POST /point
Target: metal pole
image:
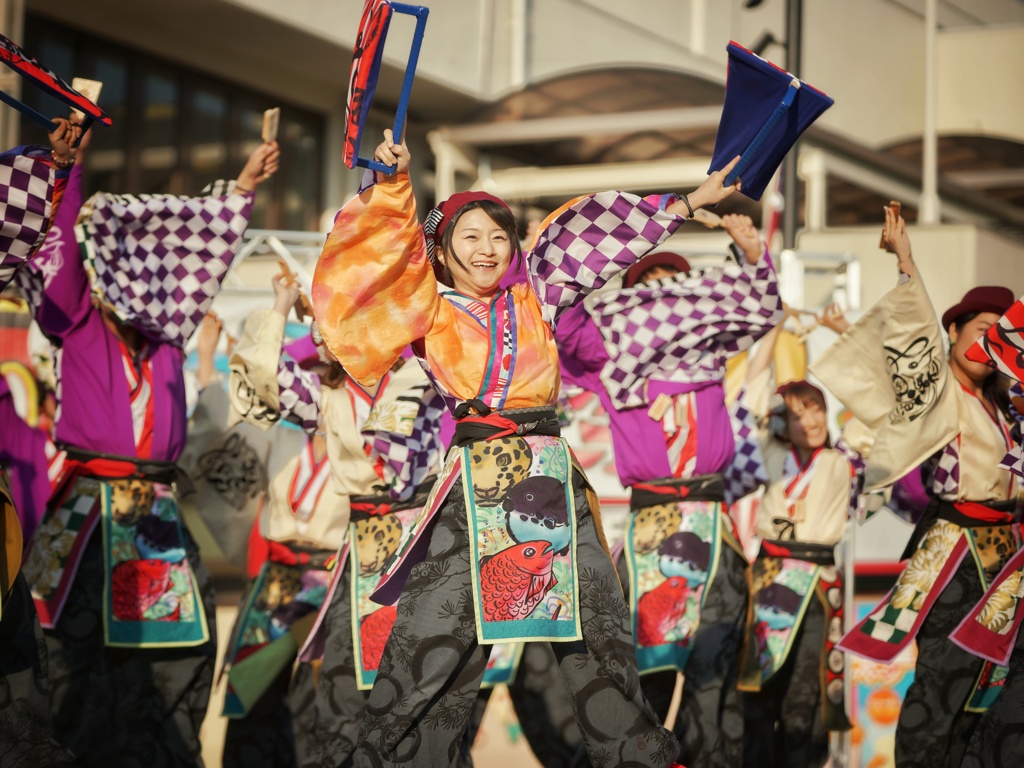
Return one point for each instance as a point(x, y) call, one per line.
point(929, 210)
point(794, 25)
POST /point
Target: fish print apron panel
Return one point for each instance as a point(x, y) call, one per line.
point(783, 587)
point(150, 598)
point(672, 559)
point(278, 614)
point(374, 543)
point(522, 520)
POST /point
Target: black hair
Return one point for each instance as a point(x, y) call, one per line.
point(644, 276)
point(500, 215)
point(996, 387)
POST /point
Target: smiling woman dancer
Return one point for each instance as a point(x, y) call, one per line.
point(507, 548)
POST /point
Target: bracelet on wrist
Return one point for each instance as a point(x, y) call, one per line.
point(242, 190)
point(61, 164)
point(686, 202)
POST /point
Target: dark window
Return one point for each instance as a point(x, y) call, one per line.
point(176, 130)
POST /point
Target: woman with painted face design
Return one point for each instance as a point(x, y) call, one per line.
point(468, 579)
point(949, 415)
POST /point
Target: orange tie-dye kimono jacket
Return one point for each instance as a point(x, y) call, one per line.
point(374, 293)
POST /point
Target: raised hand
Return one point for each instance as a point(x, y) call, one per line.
point(897, 241)
point(713, 190)
point(64, 135)
point(260, 166)
point(833, 318)
point(206, 348)
point(209, 334)
point(286, 292)
point(743, 232)
point(389, 153)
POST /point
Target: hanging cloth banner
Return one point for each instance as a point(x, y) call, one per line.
point(45, 80)
point(362, 81)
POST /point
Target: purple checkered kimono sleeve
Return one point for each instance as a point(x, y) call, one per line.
point(55, 283)
point(747, 471)
point(683, 329)
point(299, 395)
point(265, 387)
point(1014, 460)
point(413, 453)
point(591, 239)
point(857, 465)
point(159, 260)
point(30, 195)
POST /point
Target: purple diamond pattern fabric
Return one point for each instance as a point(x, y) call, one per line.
point(747, 472)
point(589, 240)
point(857, 463)
point(409, 459)
point(159, 260)
point(1014, 460)
point(945, 471)
point(683, 330)
point(26, 194)
point(299, 393)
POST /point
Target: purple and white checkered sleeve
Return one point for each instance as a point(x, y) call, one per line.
point(160, 260)
point(299, 395)
point(28, 189)
point(747, 471)
point(413, 453)
point(857, 465)
point(591, 239)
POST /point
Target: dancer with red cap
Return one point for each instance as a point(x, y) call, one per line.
point(652, 348)
point(469, 577)
point(950, 415)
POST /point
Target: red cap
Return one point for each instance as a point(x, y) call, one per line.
point(452, 205)
point(983, 298)
point(665, 259)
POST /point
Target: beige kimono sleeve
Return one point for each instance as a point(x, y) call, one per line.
point(890, 370)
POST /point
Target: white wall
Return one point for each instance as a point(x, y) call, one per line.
point(952, 259)
point(981, 86)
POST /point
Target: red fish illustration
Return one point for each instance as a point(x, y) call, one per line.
point(660, 610)
point(373, 635)
point(138, 585)
point(514, 581)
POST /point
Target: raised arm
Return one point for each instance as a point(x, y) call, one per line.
point(373, 279)
point(33, 180)
point(264, 387)
point(160, 259)
point(588, 240)
point(206, 349)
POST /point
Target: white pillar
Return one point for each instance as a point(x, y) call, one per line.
point(698, 26)
point(791, 279)
point(813, 171)
point(929, 212)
